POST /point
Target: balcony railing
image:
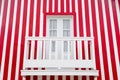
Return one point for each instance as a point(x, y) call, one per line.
point(59, 56)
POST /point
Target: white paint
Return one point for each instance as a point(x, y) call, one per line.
point(12, 41)
point(47, 6)
point(99, 41)
point(70, 5)
point(53, 6)
point(19, 41)
point(59, 5)
point(1, 14)
point(5, 40)
point(107, 41)
point(114, 39)
point(64, 5)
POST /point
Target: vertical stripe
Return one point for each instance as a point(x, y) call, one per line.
point(114, 39)
point(107, 41)
point(70, 5)
point(12, 41)
point(53, 6)
point(50, 6)
point(118, 12)
point(62, 6)
point(47, 4)
point(59, 6)
point(56, 6)
point(1, 15)
point(65, 6)
point(99, 41)
point(5, 41)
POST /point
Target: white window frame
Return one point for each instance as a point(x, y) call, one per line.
point(59, 23)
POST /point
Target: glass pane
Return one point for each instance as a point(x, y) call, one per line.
point(53, 33)
point(66, 33)
point(65, 46)
point(53, 46)
point(66, 24)
point(53, 24)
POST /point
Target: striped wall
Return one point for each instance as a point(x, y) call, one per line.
point(98, 18)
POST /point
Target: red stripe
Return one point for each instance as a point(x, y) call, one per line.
point(56, 6)
point(73, 6)
point(50, 6)
point(103, 41)
point(3, 28)
point(95, 38)
point(87, 18)
point(31, 17)
point(67, 6)
point(8, 41)
point(110, 41)
point(38, 18)
point(23, 37)
point(62, 6)
point(116, 28)
point(15, 40)
point(80, 18)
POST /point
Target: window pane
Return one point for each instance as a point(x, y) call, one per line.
point(53, 33)
point(66, 24)
point(66, 33)
point(65, 46)
point(53, 46)
point(53, 24)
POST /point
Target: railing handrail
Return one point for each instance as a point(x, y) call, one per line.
point(59, 38)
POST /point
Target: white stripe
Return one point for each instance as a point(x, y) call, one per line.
point(79, 43)
point(99, 41)
point(91, 31)
point(107, 41)
point(118, 13)
point(1, 14)
point(47, 6)
point(19, 41)
point(27, 29)
point(48, 77)
point(64, 5)
point(53, 5)
point(12, 41)
point(5, 40)
point(59, 7)
point(83, 17)
point(114, 40)
point(63, 77)
point(40, 34)
point(70, 5)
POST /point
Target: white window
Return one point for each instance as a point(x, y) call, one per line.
point(59, 26)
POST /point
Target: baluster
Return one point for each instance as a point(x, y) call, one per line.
point(50, 49)
point(56, 50)
point(86, 49)
point(80, 49)
point(39, 49)
point(68, 50)
point(44, 48)
point(74, 49)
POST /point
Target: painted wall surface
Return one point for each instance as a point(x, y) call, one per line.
point(98, 18)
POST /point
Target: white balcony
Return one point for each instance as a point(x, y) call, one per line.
point(59, 56)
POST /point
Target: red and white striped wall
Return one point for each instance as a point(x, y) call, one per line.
point(98, 18)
